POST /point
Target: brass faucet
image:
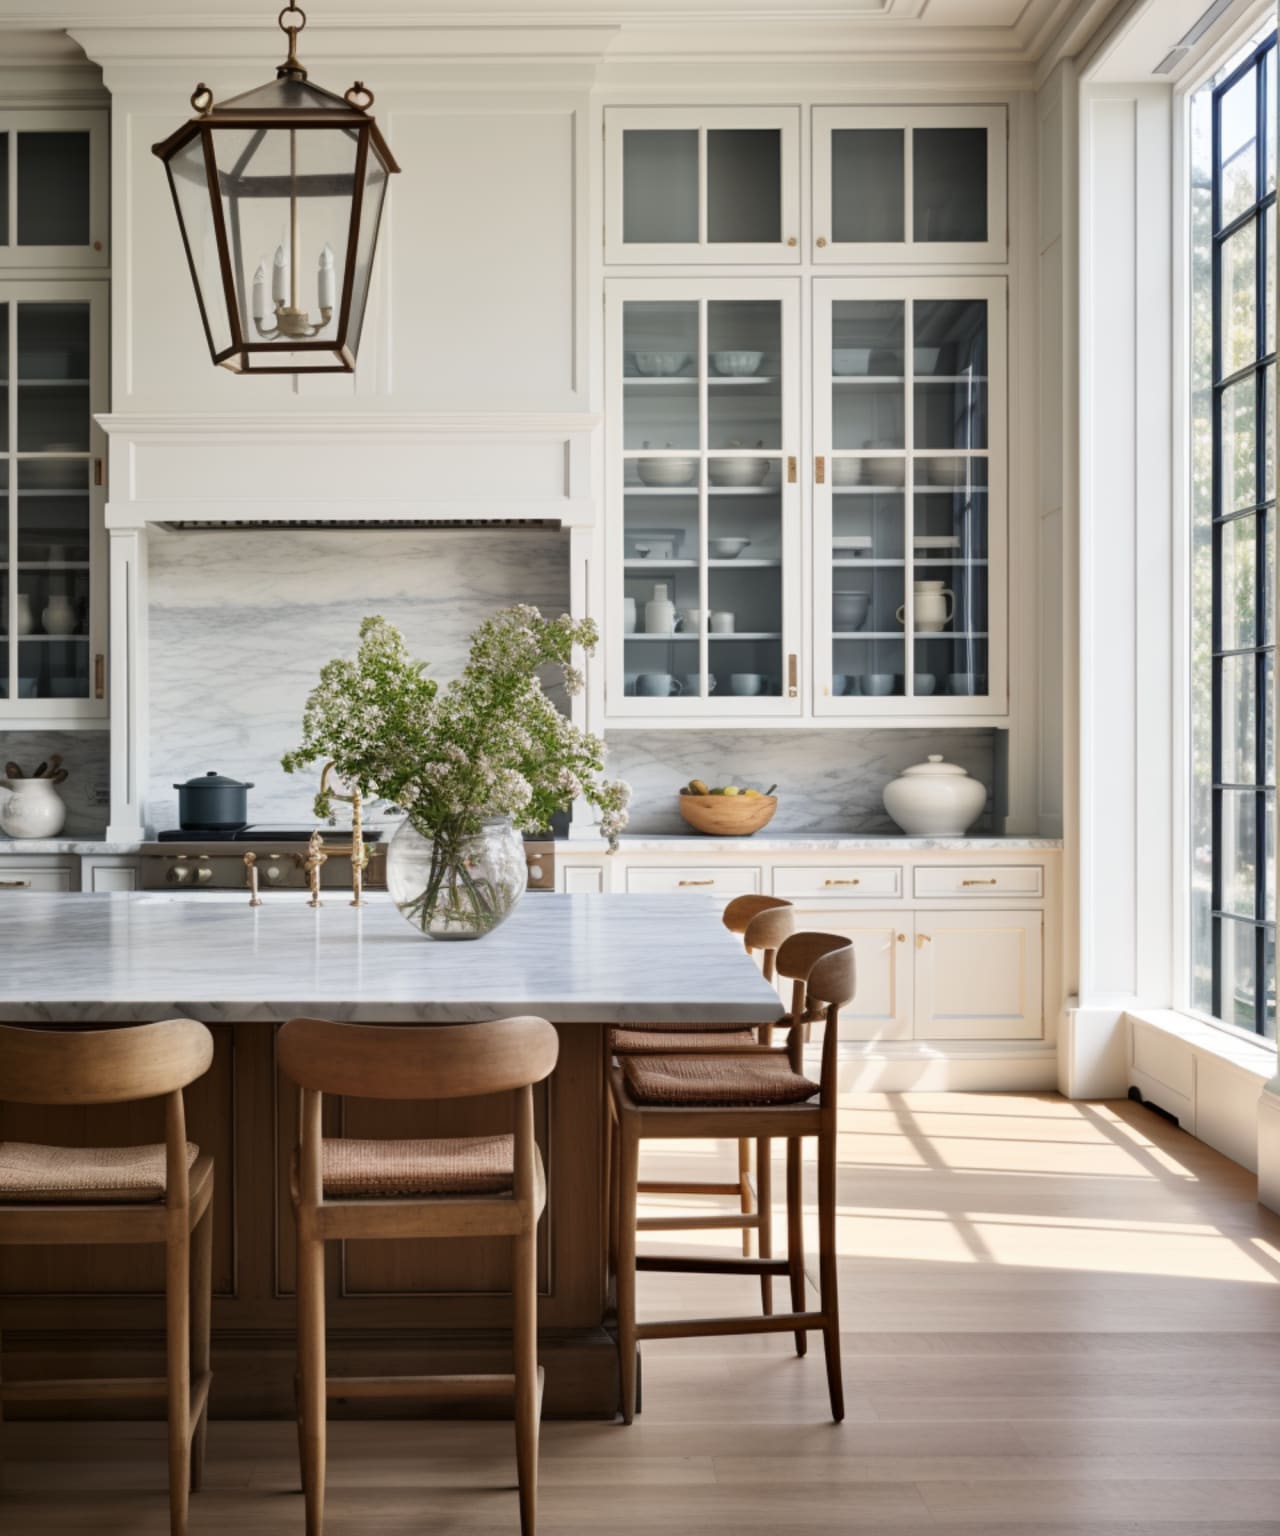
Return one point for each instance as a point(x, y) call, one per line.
point(318, 850)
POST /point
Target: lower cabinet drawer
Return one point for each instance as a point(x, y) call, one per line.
point(869, 882)
point(979, 880)
point(728, 880)
point(49, 878)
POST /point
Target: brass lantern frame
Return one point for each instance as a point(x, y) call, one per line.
point(349, 114)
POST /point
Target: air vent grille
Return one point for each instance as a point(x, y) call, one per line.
point(1194, 33)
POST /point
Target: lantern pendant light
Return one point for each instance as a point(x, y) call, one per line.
point(283, 181)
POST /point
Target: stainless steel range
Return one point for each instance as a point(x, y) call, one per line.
point(204, 861)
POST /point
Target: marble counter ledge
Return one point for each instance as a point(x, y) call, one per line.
point(132, 957)
point(87, 847)
point(809, 842)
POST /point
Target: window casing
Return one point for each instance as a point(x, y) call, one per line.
point(1233, 352)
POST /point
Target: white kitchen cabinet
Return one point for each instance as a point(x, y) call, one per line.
point(703, 502)
point(53, 588)
point(708, 184)
point(17, 876)
point(909, 498)
point(910, 184)
point(54, 209)
point(699, 880)
point(882, 1006)
point(103, 873)
point(978, 975)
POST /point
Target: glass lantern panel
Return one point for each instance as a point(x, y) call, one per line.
point(53, 189)
point(190, 182)
point(660, 379)
point(375, 191)
point(744, 185)
point(868, 198)
point(286, 198)
point(744, 380)
point(660, 186)
point(949, 184)
point(53, 378)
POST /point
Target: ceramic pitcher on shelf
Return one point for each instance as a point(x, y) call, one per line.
point(31, 808)
point(934, 603)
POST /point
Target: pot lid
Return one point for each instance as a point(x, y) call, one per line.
point(935, 766)
point(212, 780)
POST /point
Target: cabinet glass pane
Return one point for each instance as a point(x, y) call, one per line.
point(744, 185)
point(6, 385)
point(660, 186)
point(868, 389)
point(53, 549)
point(744, 385)
point(949, 358)
point(744, 581)
point(53, 378)
point(660, 382)
point(4, 189)
point(53, 189)
point(867, 185)
point(1238, 159)
point(949, 184)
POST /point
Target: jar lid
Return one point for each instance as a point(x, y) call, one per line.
point(935, 766)
point(212, 780)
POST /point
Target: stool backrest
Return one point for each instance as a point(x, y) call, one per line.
point(113, 1066)
point(448, 1061)
point(739, 912)
point(767, 932)
point(823, 971)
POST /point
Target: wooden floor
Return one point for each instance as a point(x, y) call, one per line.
point(1058, 1318)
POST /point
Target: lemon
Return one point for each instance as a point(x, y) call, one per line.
point(732, 789)
point(750, 794)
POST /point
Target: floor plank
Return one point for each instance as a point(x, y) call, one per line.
point(1058, 1320)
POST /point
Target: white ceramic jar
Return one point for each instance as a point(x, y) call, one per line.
point(32, 808)
point(935, 799)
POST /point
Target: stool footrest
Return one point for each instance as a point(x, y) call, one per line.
point(687, 1187)
point(421, 1386)
point(708, 1223)
point(70, 1389)
point(713, 1327)
point(689, 1266)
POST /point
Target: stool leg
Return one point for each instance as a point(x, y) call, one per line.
point(201, 1308)
point(627, 1151)
point(744, 1184)
point(764, 1205)
point(795, 1233)
point(311, 1366)
point(525, 1341)
point(827, 1267)
point(178, 1352)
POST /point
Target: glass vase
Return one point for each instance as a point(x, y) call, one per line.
point(457, 886)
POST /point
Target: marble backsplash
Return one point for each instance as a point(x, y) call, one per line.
point(828, 781)
point(240, 623)
point(86, 757)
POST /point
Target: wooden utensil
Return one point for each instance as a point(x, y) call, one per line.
point(59, 777)
point(12, 771)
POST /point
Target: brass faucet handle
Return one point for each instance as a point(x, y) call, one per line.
point(251, 878)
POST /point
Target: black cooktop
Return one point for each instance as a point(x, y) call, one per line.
point(262, 835)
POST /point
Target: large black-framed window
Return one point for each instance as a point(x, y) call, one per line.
point(1241, 928)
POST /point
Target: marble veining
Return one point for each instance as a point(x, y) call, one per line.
point(595, 959)
point(828, 781)
point(14, 847)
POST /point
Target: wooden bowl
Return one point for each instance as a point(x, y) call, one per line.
point(728, 815)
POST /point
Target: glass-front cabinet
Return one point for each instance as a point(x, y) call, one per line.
point(53, 190)
point(909, 496)
point(703, 535)
point(713, 185)
point(53, 379)
point(910, 184)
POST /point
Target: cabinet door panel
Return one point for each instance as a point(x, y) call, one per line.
point(882, 1007)
point(978, 976)
point(53, 179)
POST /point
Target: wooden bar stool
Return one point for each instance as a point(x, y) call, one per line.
point(765, 923)
point(149, 1194)
point(486, 1186)
point(760, 1091)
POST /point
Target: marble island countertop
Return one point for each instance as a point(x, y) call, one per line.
point(118, 958)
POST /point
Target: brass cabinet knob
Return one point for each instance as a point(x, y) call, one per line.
point(791, 240)
point(822, 240)
point(902, 938)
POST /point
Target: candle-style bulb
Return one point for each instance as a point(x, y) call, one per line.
point(326, 278)
point(260, 292)
point(280, 277)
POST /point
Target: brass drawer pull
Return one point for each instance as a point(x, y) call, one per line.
point(979, 882)
point(14, 885)
point(696, 882)
point(922, 939)
point(842, 882)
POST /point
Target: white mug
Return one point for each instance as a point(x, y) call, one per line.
point(721, 623)
point(692, 682)
point(745, 684)
point(694, 618)
point(658, 685)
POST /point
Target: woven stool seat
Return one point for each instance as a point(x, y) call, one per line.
point(458, 1165)
point(83, 1175)
point(678, 1039)
point(715, 1081)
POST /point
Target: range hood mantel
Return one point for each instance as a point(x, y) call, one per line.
point(351, 469)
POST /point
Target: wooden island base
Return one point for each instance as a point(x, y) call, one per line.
point(403, 1307)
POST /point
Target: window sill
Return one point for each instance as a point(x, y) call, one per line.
point(1255, 1057)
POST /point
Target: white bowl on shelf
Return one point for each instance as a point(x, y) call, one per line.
point(850, 360)
point(727, 549)
point(951, 473)
point(737, 472)
point(736, 364)
point(891, 473)
point(667, 472)
point(846, 471)
point(659, 365)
